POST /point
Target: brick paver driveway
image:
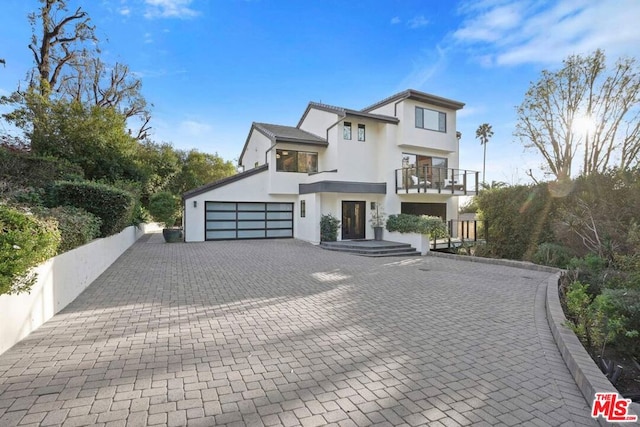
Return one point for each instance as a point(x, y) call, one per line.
point(284, 333)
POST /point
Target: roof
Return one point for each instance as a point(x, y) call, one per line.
point(279, 133)
point(418, 96)
point(224, 181)
point(343, 112)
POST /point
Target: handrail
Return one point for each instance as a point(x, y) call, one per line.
point(427, 178)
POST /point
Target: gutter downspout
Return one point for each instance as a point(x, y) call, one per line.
point(269, 149)
point(395, 105)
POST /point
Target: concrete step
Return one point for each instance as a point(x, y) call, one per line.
point(371, 248)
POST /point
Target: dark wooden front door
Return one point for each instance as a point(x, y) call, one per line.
point(353, 220)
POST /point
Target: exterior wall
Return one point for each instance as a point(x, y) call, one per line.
point(308, 228)
point(435, 140)
point(332, 203)
point(288, 182)
point(318, 121)
point(249, 189)
point(256, 149)
point(60, 280)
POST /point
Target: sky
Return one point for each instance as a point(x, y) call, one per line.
point(212, 67)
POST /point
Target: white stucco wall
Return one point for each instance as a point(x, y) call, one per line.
point(257, 145)
point(318, 121)
point(60, 280)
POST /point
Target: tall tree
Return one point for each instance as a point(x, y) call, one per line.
point(484, 133)
point(60, 40)
point(198, 169)
point(584, 109)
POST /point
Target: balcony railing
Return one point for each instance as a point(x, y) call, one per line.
point(437, 180)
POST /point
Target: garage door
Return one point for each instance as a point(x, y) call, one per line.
point(243, 220)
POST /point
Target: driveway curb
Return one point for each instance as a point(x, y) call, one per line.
point(584, 371)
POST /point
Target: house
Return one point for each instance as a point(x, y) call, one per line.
point(400, 154)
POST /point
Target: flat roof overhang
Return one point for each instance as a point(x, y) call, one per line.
point(343, 187)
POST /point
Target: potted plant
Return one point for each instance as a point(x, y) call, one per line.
point(165, 208)
point(377, 220)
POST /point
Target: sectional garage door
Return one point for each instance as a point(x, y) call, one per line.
point(244, 220)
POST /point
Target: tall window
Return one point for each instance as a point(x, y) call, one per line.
point(346, 130)
point(296, 161)
point(360, 132)
point(431, 119)
point(303, 208)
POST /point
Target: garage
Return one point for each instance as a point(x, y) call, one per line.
point(248, 220)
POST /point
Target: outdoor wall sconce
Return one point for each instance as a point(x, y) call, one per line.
point(195, 203)
point(373, 205)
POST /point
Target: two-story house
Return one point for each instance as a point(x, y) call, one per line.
point(400, 154)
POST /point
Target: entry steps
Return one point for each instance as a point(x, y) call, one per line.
point(371, 248)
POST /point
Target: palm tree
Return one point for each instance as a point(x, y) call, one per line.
point(484, 133)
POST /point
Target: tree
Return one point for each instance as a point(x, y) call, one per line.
point(587, 109)
point(484, 133)
point(199, 169)
point(58, 44)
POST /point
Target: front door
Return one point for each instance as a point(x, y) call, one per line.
point(353, 220)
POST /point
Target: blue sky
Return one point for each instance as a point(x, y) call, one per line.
point(211, 67)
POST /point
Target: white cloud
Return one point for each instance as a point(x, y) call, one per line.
point(395, 20)
point(148, 38)
point(528, 31)
point(125, 11)
point(417, 22)
point(169, 9)
point(430, 63)
point(195, 129)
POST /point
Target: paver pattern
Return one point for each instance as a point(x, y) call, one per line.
point(285, 333)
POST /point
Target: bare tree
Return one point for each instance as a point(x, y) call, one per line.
point(484, 133)
point(59, 42)
point(583, 108)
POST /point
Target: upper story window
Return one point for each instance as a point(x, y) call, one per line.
point(296, 161)
point(361, 132)
point(431, 119)
point(346, 130)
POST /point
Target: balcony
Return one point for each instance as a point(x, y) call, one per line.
point(437, 180)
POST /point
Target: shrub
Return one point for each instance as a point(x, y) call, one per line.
point(25, 242)
point(30, 170)
point(329, 228)
point(112, 205)
point(140, 215)
point(165, 208)
point(77, 226)
point(553, 255)
point(405, 223)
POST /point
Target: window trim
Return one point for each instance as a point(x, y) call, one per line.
point(345, 136)
point(419, 119)
point(364, 134)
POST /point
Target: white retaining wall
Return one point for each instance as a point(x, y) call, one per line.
point(60, 280)
point(417, 240)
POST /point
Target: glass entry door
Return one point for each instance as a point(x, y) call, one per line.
point(353, 220)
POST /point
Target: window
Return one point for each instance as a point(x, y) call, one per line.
point(303, 208)
point(431, 119)
point(296, 161)
point(360, 132)
point(346, 130)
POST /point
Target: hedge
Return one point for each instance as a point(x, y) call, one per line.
point(25, 242)
point(29, 170)
point(77, 226)
point(405, 223)
point(112, 205)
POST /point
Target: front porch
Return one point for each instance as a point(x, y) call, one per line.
point(437, 180)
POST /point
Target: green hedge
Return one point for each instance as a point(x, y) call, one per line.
point(25, 242)
point(112, 205)
point(77, 226)
point(329, 225)
point(29, 170)
point(405, 223)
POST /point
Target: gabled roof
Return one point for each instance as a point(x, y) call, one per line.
point(418, 96)
point(280, 133)
point(224, 181)
point(343, 112)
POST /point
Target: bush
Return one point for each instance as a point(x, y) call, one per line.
point(30, 170)
point(405, 223)
point(553, 255)
point(329, 228)
point(25, 242)
point(112, 205)
point(165, 208)
point(77, 226)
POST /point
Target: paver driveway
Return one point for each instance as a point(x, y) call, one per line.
point(282, 332)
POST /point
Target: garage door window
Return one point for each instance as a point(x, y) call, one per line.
point(248, 220)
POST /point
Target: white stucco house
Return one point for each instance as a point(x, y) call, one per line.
point(400, 154)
